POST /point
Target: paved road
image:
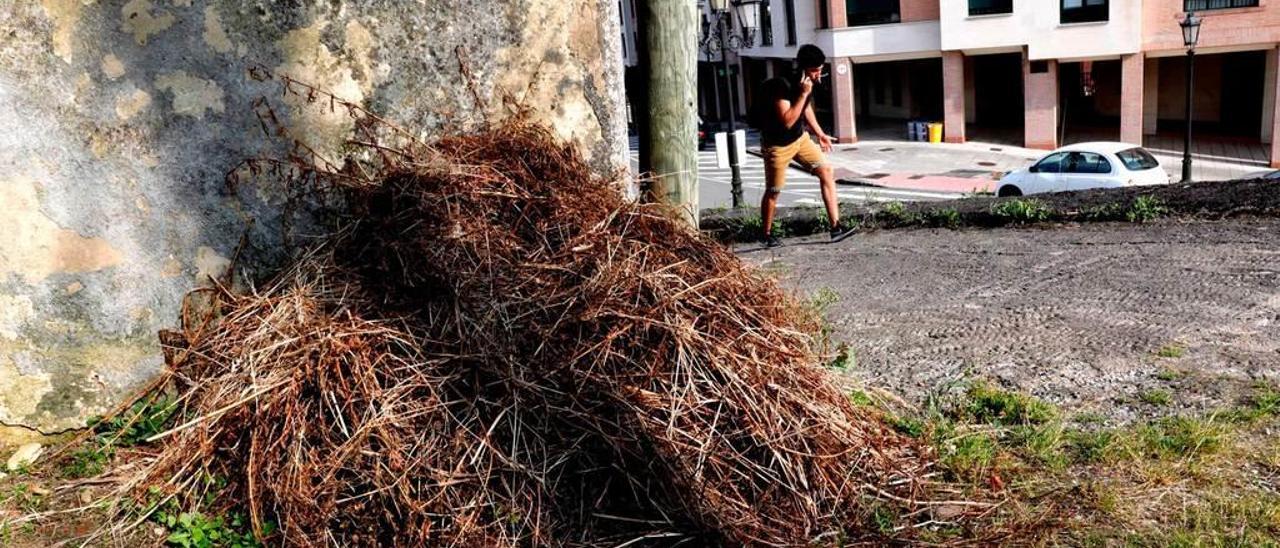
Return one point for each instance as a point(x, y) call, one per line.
point(715, 184)
point(1075, 314)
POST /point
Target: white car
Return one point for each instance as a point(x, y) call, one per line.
point(1086, 165)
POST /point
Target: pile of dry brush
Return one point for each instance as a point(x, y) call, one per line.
point(498, 349)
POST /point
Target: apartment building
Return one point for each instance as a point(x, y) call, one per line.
point(1039, 73)
point(714, 85)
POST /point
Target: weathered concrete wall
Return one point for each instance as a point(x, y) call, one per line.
point(118, 120)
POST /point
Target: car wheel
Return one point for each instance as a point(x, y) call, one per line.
point(1009, 190)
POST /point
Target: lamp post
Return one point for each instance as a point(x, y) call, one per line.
point(724, 41)
point(1190, 35)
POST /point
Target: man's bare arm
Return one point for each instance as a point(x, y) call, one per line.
point(823, 139)
point(789, 112)
point(812, 119)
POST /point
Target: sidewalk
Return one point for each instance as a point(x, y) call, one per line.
point(960, 168)
point(974, 166)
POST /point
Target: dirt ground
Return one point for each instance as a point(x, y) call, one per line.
point(1100, 318)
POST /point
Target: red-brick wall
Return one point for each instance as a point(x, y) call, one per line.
point(918, 10)
point(1229, 27)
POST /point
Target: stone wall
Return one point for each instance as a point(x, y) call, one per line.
point(119, 119)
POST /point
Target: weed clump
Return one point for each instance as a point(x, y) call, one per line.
point(893, 214)
point(1022, 211)
point(989, 404)
point(943, 218)
point(1145, 208)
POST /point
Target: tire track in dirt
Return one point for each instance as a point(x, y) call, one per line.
point(1073, 314)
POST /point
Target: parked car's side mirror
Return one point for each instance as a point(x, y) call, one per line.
point(1034, 169)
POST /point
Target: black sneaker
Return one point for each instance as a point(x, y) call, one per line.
point(838, 233)
point(772, 241)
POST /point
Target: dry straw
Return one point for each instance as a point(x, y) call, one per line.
point(497, 349)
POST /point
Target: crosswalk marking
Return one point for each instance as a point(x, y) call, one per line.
point(801, 188)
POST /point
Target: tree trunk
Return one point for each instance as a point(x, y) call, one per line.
point(665, 109)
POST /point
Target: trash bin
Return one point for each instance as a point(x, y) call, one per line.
point(935, 132)
point(916, 131)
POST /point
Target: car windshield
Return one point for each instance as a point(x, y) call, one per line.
point(1137, 159)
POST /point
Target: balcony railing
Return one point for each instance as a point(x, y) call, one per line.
point(1202, 5)
point(990, 7)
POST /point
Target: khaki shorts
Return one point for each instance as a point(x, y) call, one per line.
point(778, 158)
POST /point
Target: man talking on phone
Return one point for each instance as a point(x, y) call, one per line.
point(783, 111)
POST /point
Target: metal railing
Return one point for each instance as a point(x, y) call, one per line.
point(1201, 5)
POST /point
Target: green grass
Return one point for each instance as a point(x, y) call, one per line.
point(1110, 480)
point(1022, 211)
point(1252, 520)
point(776, 269)
point(87, 461)
point(1179, 437)
point(1265, 401)
point(1090, 417)
point(818, 304)
point(968, 457)
point(989, 404)
point(910, 426)
point(1089, 447)
point(861, 399)
point(822, 299)
point(1156, 396)
point(1173, 350)
point(23, 497)
point(197, 530)
point(883, 519)
point(145, 418)
point(752, 227)
point(1169, 374)
point(844, 359)
point(1044, 444)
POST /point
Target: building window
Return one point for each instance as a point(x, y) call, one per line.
point(824, 21)
point(990, 7)
point(873, 12)
point(766, 24)
point(622, 22)
point(1083, 11)
point(1201, 5)
point(790, 6)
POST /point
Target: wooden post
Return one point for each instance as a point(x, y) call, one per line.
point(666, 110)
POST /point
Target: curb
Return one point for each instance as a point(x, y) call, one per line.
point(1223, 199)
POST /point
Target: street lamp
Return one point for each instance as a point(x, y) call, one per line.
point(726, 40)
point(1190, 35)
